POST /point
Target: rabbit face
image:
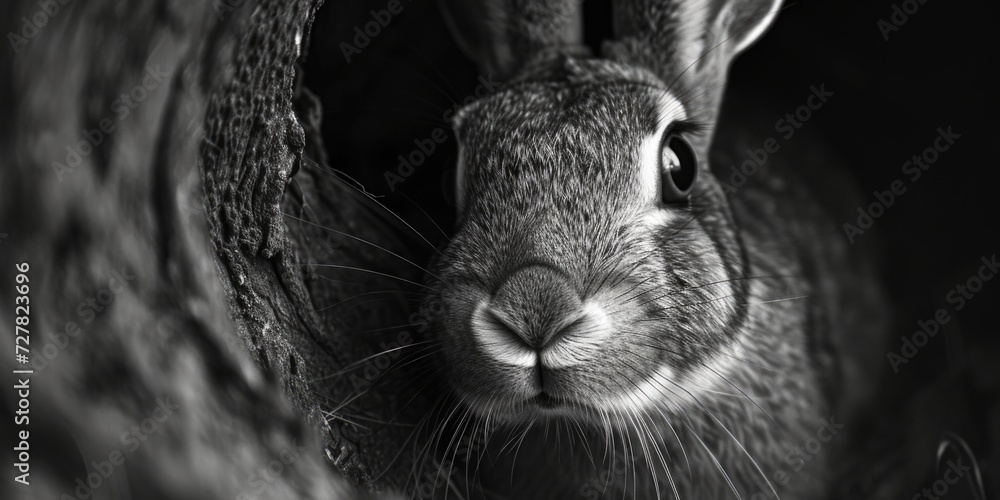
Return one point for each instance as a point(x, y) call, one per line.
point(577, 283)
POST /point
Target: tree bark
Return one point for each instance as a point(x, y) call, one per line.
point(148, 156)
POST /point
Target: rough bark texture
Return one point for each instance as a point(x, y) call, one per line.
point(212, 323)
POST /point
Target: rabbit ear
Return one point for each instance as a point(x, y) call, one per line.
point(750, 21)
point(688, 43)
point(503, 35)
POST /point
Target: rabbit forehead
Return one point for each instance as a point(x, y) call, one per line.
point(548, 140)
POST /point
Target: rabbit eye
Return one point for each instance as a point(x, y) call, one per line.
point(678, 169)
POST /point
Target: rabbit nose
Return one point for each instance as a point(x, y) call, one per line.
point(534, 304)
point(537, 317)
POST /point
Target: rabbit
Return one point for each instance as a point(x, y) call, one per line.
point(617, 319)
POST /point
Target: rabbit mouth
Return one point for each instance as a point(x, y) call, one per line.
point(541, 406)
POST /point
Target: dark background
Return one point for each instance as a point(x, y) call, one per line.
point(890, 98)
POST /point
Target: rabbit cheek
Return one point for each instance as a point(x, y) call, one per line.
point(696, 298)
